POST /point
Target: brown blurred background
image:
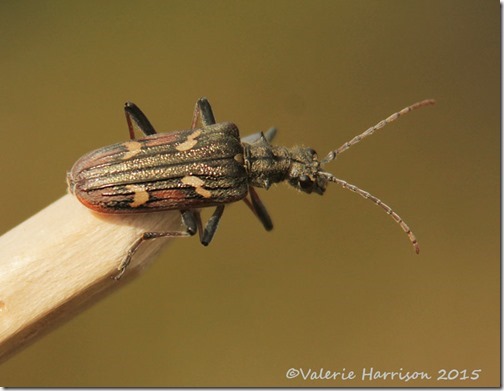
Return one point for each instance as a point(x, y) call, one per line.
point(336, 284)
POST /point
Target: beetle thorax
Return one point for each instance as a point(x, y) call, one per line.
point(267, 164)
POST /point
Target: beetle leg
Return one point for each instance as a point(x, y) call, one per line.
point(269, 135)
point(211, 226)
point(257, 207)
point(137, 119)
point(203, 114)
point(145, 236)
point(191, 221)
point(190, 218)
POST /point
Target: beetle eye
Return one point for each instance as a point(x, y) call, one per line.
point(305, 182)
point(312, 153)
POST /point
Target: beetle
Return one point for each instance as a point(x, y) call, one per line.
point(205, 166)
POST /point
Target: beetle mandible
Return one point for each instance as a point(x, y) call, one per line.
point(205, 166)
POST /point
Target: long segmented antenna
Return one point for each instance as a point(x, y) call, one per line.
point(332, 155)
point(378, 202)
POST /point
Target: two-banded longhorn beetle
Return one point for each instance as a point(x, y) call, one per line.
point(207, 165)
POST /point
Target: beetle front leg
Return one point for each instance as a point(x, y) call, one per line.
point(269, 135)
point(255, 204)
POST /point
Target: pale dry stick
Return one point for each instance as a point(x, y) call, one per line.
point(61, 260)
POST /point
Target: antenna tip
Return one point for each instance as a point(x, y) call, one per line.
point(427, 102)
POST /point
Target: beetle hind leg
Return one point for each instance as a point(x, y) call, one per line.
point(203, 114)
point(146, 236)
point(192, 220)
point(136, 119)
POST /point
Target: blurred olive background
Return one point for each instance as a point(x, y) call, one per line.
point(336, 285)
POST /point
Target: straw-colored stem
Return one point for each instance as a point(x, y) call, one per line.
point(61, 260)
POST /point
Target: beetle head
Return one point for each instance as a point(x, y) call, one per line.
point(305, 173)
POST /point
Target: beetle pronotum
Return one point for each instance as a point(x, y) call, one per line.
point(207, 165)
